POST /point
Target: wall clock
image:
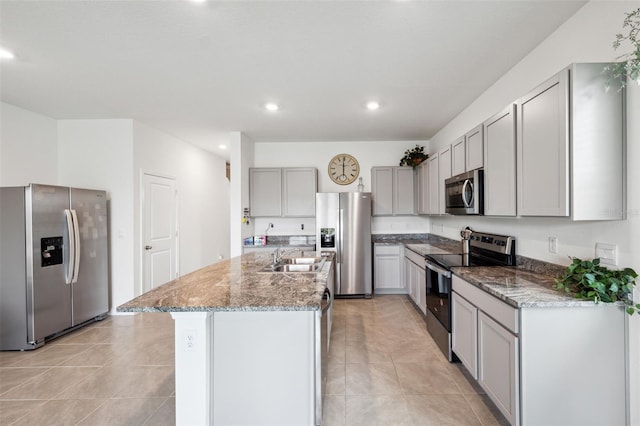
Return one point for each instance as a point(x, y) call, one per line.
point(344, 169)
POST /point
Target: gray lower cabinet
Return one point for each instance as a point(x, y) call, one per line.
point(573, 126)
point(387, 269)
point(393, 191)
point(283, 192)
point(547, 365)
point(415, 279)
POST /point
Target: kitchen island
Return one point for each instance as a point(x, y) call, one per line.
point(246, 340)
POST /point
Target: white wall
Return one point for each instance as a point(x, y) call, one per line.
point(98, 154)
point(318, 154)
point(585, 37)
point(241, 158)
point(203, 194)
point(28, 147)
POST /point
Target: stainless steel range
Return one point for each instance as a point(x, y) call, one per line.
point(484, 250)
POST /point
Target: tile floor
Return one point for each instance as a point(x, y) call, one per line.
point(384, 369)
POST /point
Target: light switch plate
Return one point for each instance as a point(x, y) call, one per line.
point(608, 253)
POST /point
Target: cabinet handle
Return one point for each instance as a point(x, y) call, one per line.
point(148, 247)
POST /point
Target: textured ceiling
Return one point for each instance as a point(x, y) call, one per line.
point(201, 70)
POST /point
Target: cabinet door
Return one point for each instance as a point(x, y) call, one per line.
point(464, 331)
point(404, 191)
point(543, 143)
point(444, 172)
point(387, 268)
point(498, 363)
point(421, 285)
point(475, 149)
point(423, 188)
point(382, 191)
point(409, 282)
point(300, 186)
point(500, 163)
point(265, 192)
point(458, 158)
point(434, 185)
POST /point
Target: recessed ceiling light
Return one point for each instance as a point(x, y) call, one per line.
point(271, 106)
point(222, 146)
point(372, 106)
point(5, 54)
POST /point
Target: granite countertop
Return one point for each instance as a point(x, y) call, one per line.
point(237, 285)
point(520, 287)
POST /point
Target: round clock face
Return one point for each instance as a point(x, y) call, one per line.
point(343, 169)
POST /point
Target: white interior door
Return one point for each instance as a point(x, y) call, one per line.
point(160, 230)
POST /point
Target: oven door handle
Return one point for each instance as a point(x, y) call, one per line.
point(436, 268)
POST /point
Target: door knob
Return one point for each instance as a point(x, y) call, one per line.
point(148, 247)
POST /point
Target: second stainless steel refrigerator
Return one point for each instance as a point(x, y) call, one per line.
point(343, 226)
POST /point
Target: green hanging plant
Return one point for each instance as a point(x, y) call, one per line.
point(629, 65)
point(413, 157)
point(588, 280)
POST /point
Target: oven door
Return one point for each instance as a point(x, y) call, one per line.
point(438, 293)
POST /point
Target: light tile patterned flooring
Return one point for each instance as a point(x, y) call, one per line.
point(384, 369)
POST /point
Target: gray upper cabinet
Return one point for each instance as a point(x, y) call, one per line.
point(404, 191)
point(500, 163)
point(573, 127)
point(474, 148)
point(393, 191)
point(382, 191)
point(283, 192)
point(434, 184)
point(299, 192)
point(422, 190)
point(444, 172)
point(265, 192)
point(458, 157)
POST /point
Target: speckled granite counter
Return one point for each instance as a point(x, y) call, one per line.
point(519, 287)
point(236, 285)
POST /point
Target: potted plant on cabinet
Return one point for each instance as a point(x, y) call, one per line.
point(413, 157)
point(629, 67)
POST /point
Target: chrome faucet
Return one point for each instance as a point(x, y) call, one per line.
point(277, 256)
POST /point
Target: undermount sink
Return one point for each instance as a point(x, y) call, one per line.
point(295, 264)
point(301, 260)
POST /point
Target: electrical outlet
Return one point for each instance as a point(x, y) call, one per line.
point(607, 253)
point(190, 340)
point(553, 244)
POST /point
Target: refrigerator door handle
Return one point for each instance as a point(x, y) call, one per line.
point(72, 247)
point(340, 234)
point(76, 237)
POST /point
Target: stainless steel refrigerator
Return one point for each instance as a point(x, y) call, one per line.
point(343, 226)
point(54, 262)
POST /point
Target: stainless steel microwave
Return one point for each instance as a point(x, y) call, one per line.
point(464, 193)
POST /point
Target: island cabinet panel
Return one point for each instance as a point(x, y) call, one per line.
point(500, 163)
point(263, 368)
point(393, 191)
point(387, 269)
point(265, 192)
